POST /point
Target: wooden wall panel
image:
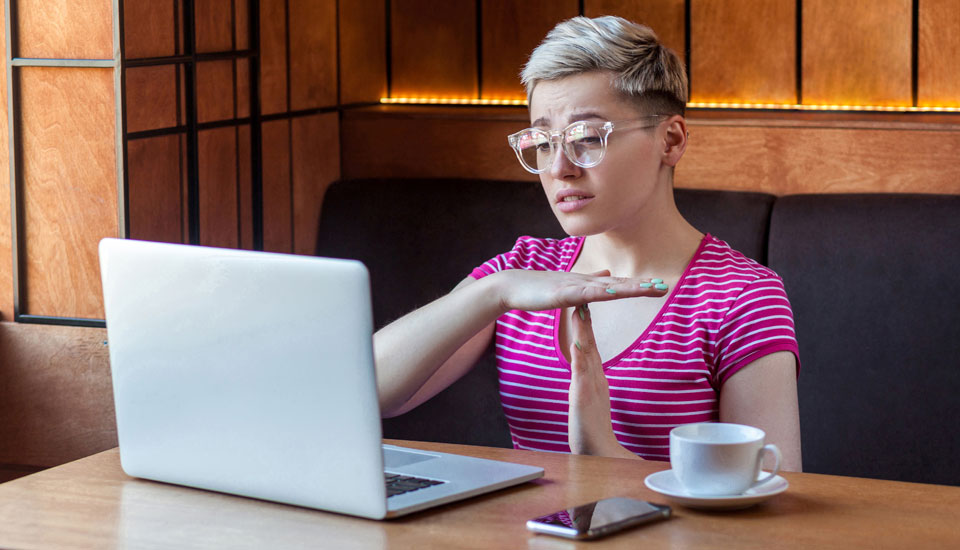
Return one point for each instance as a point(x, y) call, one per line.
point(69, 187)
point(273, 57)
point(148, 28)
point(743, 51)
point(316, 164)
point(219, 216)
point(6, 264)
point(242, 67)
point(779, 159)
point(434, 48)
point(665, 17)
point(778, 155)
point(857, 53)
point(77, 29)
point(313, 54)
point(214, 25)
point(215, 89)
point(57, 400)
point(277, 189)
point(938, 77)
point(363, 51)
point(376, 143)
point(151, 98)
point(242, 22)
point(511, 30)
point(154, 190)
point(245, 187)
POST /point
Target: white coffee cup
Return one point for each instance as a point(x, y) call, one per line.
point(713, 459)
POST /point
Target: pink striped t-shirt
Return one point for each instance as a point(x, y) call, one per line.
point(725, 312)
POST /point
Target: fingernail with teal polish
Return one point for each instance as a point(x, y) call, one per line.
point(656, 280)
point(580, 312)
point(646, 285)
point(661, 286)
point(611, 291)
point(577, 343)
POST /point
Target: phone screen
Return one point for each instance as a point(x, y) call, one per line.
point(598, 518)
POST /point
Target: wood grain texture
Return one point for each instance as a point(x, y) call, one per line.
point(6, 249)
point(313, 54)
point(243, 87)
point(273, 57)
point(245, 187)
point(151, 97)
point(434, 48)
point(154, 189)
point(56, 400)
point(316, 164)
point(93, 504)
point(783, 159)
point(363, 51)
point(775, 155)
point(66, 29)
point(665, 17)
point(511, 30)
point(215, 89)
point(743, 51)
point(69, 187)
point(277, 187)
point(214, 25)
point(938, 52)
point(376, 142)
point(148, 28)
point(242, 22)
point(219, 215)
point(857, 53)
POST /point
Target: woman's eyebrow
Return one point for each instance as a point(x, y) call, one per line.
point(544, 122)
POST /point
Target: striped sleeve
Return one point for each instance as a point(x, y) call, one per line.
point(759, 322)
point(528, 253)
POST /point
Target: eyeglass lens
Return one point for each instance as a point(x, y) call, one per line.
point(582, 144)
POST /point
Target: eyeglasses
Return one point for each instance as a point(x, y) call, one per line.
point(584, 142)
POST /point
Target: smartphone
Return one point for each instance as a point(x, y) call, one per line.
point(599, 518)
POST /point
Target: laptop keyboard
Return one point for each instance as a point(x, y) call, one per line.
point(399, 484)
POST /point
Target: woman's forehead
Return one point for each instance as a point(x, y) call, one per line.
point(584, 96)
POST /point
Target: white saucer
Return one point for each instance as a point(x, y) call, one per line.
point(666, 484)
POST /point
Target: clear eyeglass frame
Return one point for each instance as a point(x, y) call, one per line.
point(590, 137)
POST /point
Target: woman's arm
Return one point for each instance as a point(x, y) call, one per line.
point(425, 351)
point(764, 394)
point(420, 354)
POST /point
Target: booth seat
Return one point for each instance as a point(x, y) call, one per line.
point(874, 281)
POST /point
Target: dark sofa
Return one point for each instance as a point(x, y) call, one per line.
point(874, 281)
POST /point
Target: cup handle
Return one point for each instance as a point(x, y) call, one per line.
point(776, 467)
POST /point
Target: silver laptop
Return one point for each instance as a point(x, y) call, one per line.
point(252, 373)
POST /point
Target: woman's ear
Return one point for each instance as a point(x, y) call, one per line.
point(674, 140)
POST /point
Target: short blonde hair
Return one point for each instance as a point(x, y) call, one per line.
point(645, 70)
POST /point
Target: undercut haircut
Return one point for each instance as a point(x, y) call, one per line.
point(645, 71)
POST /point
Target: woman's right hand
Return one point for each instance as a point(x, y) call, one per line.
point(544, 290)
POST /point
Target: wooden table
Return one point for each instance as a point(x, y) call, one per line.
point(91, 503)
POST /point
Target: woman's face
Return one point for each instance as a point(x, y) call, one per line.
point(611, 195)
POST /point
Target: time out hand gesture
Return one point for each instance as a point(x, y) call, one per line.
point(542, 290)
point(590, 430)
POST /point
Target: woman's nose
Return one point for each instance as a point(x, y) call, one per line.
point(561, 167)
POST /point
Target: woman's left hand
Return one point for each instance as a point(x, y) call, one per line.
point(590, 430)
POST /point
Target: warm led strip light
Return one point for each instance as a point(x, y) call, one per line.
point(692, 105)
point(450, 101)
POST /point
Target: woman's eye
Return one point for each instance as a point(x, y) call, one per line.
point(543, 147)
point(587, 141)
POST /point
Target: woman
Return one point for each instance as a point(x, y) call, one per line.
point(637, 322)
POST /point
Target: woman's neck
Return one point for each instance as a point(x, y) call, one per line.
point(660, 244)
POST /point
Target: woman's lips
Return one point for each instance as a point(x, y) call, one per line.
point(572, 202)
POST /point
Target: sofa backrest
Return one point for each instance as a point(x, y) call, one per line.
point(874, 281)
point(419, 238)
